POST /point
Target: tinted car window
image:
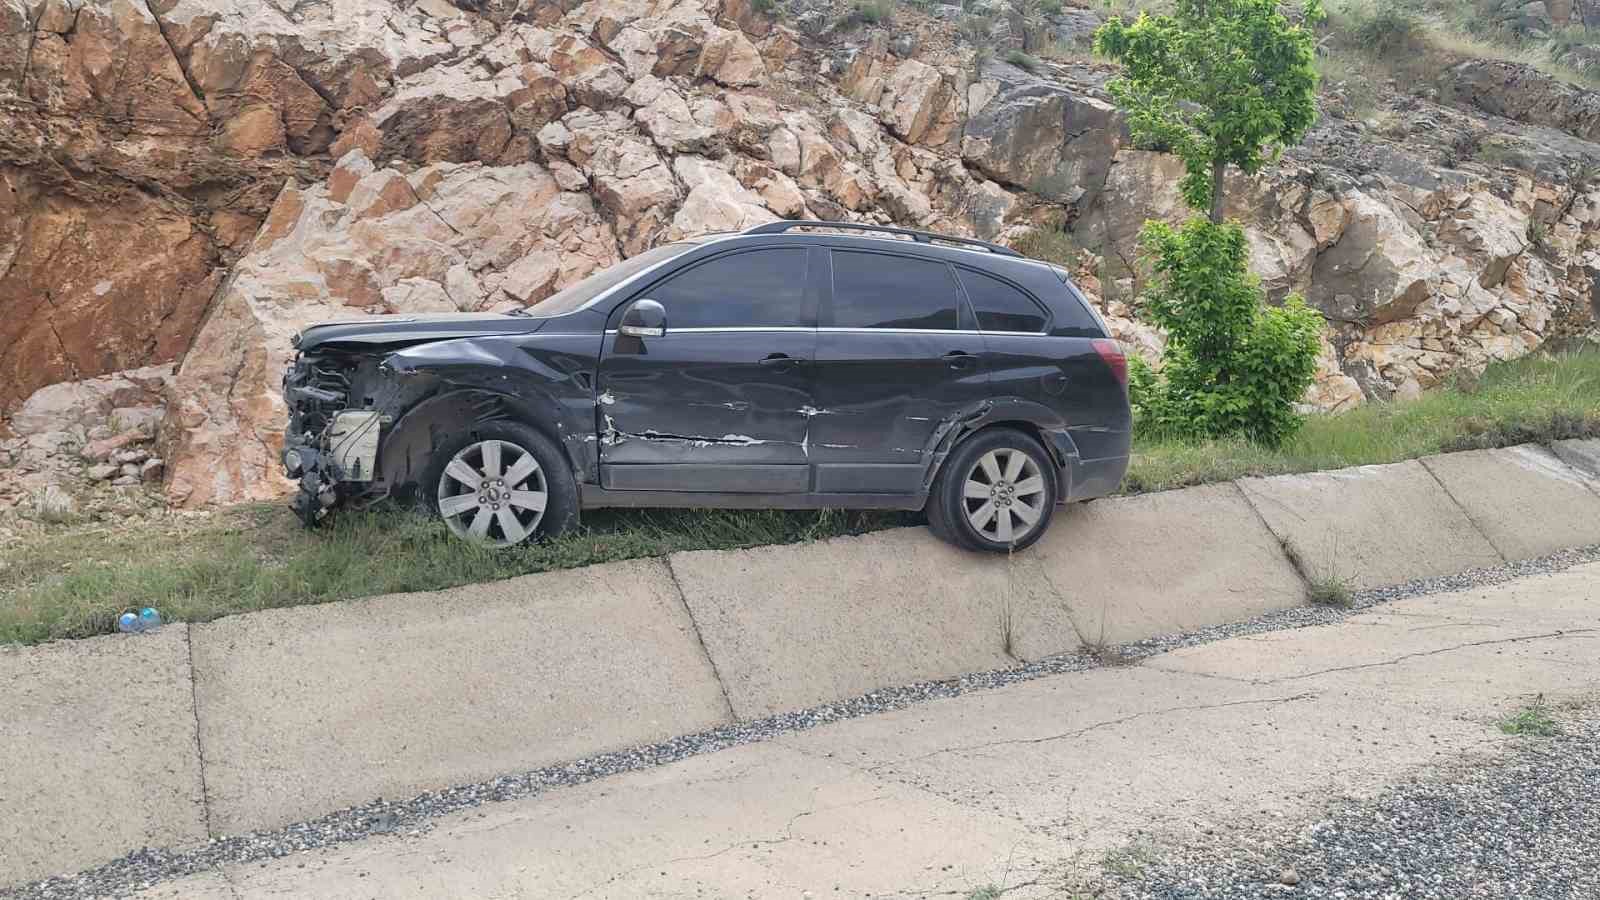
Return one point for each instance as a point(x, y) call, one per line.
point(1001, 307)
point(575, 296)
point(878, 290)
point(754, 289)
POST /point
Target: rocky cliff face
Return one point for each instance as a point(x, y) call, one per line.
point(190, 181)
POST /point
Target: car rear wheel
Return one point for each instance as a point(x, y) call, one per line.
point(996, 492)
point(503, 485)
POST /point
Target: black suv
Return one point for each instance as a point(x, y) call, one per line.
point(795, 365)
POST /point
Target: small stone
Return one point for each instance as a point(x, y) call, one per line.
point(1289, 877)
point(100, 451)
point(130, 469)
point(125, 480)
point(152, 469)
point(103, 471)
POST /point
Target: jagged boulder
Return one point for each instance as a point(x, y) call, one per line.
point(444, 238)
point(1040, 136)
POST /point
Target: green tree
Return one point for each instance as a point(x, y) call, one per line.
point(1219, 83)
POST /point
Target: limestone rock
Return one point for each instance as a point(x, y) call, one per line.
point(467, 231)
point(1040, 136)
point(1380, 271)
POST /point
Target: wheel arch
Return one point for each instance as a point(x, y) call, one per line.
point(420, 431)
point(1035, 420)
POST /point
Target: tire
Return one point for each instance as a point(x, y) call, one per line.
point(540, 501)
point(995, 517)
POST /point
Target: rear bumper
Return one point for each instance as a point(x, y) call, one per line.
point(1084, 479)
point(1093, 478)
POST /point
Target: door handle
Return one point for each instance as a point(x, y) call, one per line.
point(960, 359)
point(782, 361)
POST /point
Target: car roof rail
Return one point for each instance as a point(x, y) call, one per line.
point(921, 237)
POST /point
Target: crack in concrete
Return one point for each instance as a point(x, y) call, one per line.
point(683, 599)
point(1476, 526)
point(199, 746)
point(1079, 732)
point(1556, 635)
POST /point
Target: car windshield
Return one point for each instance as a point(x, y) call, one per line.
point(573, 297)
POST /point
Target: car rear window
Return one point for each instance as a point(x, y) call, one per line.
point(1001, 307)
point(882, 290)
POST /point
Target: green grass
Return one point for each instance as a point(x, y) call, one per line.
point(70, 583)
point(1533, 721)
point(64, 581)
point(1537, 398)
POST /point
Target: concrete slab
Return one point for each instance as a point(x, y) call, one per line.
point(97, 739)
point(1526, 502)
point(754, 821)
point(308, 710)
point(1137, 567)
point(1443, 653)
point(1371, 525)
point(1558, 600)
point(1099, 757)
point(1028, 781)
point(793, 626)
point(1583, 455)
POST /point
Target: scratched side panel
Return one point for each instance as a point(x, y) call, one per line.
point(705, 398)
point(881, 398)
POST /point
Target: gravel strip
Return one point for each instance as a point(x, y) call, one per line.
point(1523, 827)
point(145, 868)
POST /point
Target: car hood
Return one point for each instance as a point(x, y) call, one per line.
point(380, 331)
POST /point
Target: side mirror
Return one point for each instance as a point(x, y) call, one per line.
point(644, 318)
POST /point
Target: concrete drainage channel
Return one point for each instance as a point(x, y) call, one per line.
point(249, 725)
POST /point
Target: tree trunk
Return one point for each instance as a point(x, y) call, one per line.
point(1218, 168)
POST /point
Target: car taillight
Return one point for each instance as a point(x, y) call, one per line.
point(1111, 352)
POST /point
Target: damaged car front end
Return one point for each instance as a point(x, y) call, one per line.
point(346, 392)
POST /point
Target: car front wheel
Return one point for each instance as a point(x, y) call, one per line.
point(502, 485)
point(996, 492)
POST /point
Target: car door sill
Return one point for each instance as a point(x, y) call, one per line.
point(597, 497)
point(780, 478)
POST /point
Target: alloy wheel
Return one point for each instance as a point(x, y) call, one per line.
point(1003, 496)
point(493, 492)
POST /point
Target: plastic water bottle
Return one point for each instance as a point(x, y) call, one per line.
point(128, 623)
point(149, 619)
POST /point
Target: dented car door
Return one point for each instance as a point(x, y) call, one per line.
point(715, 399)
point(897, 361)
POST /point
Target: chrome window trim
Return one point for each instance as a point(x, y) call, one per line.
point(600, 297)
point(831, 330)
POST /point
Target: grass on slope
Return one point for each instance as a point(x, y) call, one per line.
point(1415, 41)
point(72, 581)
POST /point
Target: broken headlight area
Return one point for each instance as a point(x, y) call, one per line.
point(331, 444)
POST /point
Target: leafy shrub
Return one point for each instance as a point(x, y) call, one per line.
point(1023, 61)
point(1233, 366)
point(872, 12)
point(1384, 29)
